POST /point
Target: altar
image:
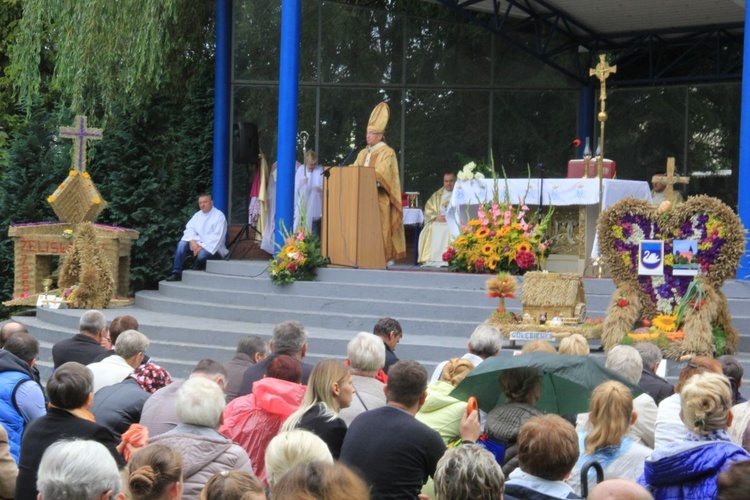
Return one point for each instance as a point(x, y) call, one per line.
point(576, 202)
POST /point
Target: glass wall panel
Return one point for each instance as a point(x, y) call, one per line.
point(533, 127)
point(257, 38)
point(444, 131)
point(445, 53)
point(361, 45)
point(517, 68)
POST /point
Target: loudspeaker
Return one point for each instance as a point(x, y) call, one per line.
point(245, 145)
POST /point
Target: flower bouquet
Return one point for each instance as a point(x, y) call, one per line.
point(499, 239)
point(298, 259)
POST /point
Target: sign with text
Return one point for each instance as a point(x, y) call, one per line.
point(531, 336)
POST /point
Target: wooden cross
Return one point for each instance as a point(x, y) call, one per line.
point(602, 72)
point(670, 180)
point(81, 134)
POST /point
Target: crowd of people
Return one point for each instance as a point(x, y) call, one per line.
point(110, 423)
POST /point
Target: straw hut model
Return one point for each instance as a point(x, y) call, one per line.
point(554, 294)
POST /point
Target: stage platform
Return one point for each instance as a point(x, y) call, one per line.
point(204, 315)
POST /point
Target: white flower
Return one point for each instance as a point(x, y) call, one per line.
point(292, 255)
point(469, 167)
point(479, 176)
point(463, 176)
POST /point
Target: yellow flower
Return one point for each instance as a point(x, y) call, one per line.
point(73, 173)
point(482, 232)
point(669, 259)
point(516, 226)
point(493, 261)
point(665, 322)
point(475, 222)
point(461, 240)
point(617, 230)
point(503, 231)
point(50, 199)
point(488, 249)
point(86, 175)
point(96, 200)
point(525, 247)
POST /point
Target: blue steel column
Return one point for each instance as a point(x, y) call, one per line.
point(291, 12)
point(222, 87)
point(585, 118)
point(743, 204)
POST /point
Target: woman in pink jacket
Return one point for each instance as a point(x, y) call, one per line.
point(253, 420)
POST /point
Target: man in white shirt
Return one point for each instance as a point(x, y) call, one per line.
point(308, 194)
point(205, 235)
point(130, 348)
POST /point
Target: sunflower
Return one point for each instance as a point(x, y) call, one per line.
point(475, 222)
point(482, 232)
point(492, 261)
point(461, 240)
point(503, 231)
point(665, 322)
point(488, 249)
point(523, 247)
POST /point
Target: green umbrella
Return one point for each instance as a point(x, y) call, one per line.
point(567, 381)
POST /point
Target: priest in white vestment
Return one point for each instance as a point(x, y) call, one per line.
point(435, 236)
point(308, 194)
point(204, 237)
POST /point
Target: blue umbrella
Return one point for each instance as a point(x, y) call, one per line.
point(567, 381)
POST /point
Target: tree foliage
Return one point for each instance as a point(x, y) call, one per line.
point(106, 52)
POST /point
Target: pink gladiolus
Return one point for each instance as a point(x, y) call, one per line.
point(301, 236)
point(507, 217)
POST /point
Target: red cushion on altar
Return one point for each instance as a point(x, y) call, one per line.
point(575, 169)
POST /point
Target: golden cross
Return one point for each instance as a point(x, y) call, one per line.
point(670, 180)
point(81, 134)
point(602, 72)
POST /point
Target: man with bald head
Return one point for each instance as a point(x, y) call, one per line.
point(619, 489)
point(9, 329)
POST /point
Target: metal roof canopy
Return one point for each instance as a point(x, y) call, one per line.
point(652, 42)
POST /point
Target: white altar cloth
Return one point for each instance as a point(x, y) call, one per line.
point(556, 192)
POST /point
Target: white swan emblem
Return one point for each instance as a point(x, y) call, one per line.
point(650, 258)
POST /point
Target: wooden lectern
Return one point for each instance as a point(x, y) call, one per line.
point(350, 229)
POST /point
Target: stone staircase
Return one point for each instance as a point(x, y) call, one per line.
point(205, 315)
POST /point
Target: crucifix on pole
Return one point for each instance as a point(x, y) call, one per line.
point(670, 180)
point(81, 134)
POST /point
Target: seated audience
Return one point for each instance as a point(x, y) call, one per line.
point(610, 415)
point(389, 330)
point(129, 352)
point(538, 346)
point(522, 388)
point(155, 473)
point(619, 489)
point(733, 370)
point(469, 472)
point(440, 411)
point(70, 390)
point(200, 403)
point(120, 405)
point(21, 396)
point(292, 448)
point(253, 420)
point(547, 452)
point(78, 469)
point(233, 485)
point(669, 426)
point(329, 389)
point(159, 414)
point(626, 361)
point(116, 327)
point(85, 346)
point(366, 355)
point(485, 342)
point(654, 385)
point(394, 452)
point(574, 345)
point(8, 467)
point(318, 479)
point(250, 350)
point(289, 338)
point(734, 482)
point(689, 468)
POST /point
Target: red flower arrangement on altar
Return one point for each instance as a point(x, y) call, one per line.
point(500, 239)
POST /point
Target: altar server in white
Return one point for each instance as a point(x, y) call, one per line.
point(308, 194)
point(205, 235)
point(435, 237)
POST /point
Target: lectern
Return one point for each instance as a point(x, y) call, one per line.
point(350, 229)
